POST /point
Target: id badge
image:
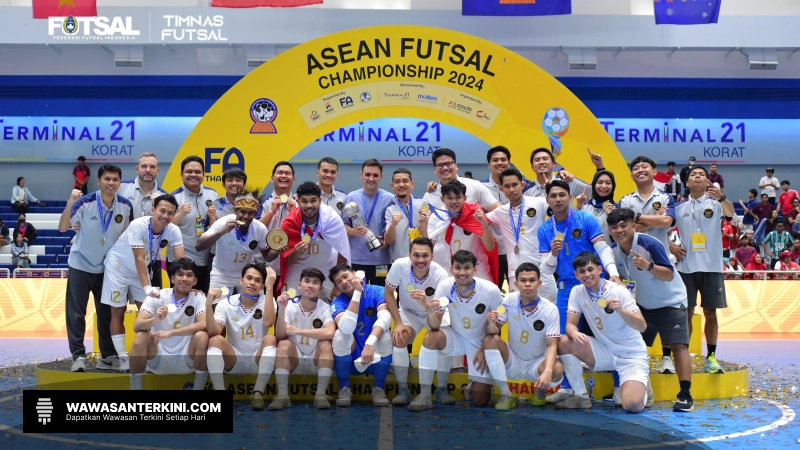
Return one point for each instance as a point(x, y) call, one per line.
point(413, 233)
point(199, 225)
point(381, 270)
point(631, 285)
point(698, 242)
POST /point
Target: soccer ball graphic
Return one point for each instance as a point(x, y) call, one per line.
point(264, 111)
point(556, 122)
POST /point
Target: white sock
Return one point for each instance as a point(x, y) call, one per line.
point(282, 378)
point(119, 344)
point(265, 366)
point(323, 379)
point(427, 364)
point(136, 382)
point(498, 370)
point(574, 373)
point(400, 361)
point(216, 365)
point(443, 366)
point(200, 377)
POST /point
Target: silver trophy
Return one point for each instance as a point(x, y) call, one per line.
point(351, 211)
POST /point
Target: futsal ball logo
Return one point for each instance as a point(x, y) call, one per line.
point(70, 25)
point(44, 410)
point(263, 112)
point(365, 97)
point(556, 122)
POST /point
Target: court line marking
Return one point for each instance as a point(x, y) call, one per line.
point(386, 441)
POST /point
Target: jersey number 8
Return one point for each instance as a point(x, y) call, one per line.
point(523, 337)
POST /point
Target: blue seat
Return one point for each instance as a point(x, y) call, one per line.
point(46, 259)
point(67, 248)
point(53, 249)
point(61, 259)
point(59, 266)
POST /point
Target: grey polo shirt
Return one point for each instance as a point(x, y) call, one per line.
point(576, 187)
point(142, 204)
point(88, 252)
point(650, 207)
point(703, 216)
point(498, 194)
point(402, 241)
point(359, 253)
point(650, 292)
point(336, 200)
point(195, 222)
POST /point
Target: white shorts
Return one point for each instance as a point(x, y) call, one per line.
point(218, 280)
point(525, 369)
point(629, 368)
point(306, 364)
point(245, 363)
point(166, 363)
point(457, 346)
point(118, 290)
point(417, 323)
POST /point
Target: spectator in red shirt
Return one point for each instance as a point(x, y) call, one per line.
point(796, 251)
point(786, 264)
point(81, 173)
point(715, 177)
point(764, 209)
point(728, 235)
point(786, 198)
point(745, 251)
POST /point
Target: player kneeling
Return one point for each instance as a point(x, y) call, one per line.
point(304, 328)
point(247, 318)
point(533, 332)
point(170, 330)
point(468, 301)
point(362, 343)
point(617, 325)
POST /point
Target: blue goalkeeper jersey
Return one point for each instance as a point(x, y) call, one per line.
point(371, 299)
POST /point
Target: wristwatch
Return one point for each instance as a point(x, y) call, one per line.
point(723, 198)
point(636, 218)
point(652, 265)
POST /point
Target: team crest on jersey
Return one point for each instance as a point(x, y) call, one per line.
point(708, 213)
point(531, 212)
point(339, 205)
point(576, 233)
point(253, 245)
point(189, 311)
point(370, 311)
point(257, 314)
point(118, 218)
point(480, 308)
point(163, 243)
point(538, 325)
point(208, 202)
point(656, 206)
point(317, 323)
point(429, 291)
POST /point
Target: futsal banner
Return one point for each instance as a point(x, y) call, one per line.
point(147, 411)
point(681, 12)
point(263, 3)
point(42, 9)
point(515, 7)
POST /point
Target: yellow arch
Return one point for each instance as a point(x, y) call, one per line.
point(464, 81)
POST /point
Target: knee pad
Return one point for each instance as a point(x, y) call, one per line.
point(342, 343)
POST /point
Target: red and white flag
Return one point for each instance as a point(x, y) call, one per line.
point(263, 3)
point(42, 9)
point(661, 179)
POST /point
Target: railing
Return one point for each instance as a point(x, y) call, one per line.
point(763, 275)
point(5, 273)
point(40, 273)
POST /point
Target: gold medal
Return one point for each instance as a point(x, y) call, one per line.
point(602, 302)
point(291, 293)
point(560, 236)
point(444, 301)
point(103, 242)
point(501, 309)
point(171, 308)
point(306, 238)
point(410, 288)
point(284, 198)
point(360, 274)
point(425, 207)
point(277, 238)
point(223, 292)
point(606, 205)
point(241, 222)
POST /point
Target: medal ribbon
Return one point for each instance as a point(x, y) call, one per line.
point(364, 203)
point(413, 277)
point(569, 221)
point(316, 228)
point(453, 291)
point(105, 221)
point(410, 213)
point(596, 296)
point(239, 235)
point(177, 302)
point(516, 229)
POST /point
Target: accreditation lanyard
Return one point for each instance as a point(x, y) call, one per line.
point(409, 214)
point(105, 219)
point(364, 204)
point(516, 229)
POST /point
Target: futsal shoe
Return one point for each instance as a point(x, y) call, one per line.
point(421, 403)
point(402, 397)
point(321, 401)
point(79, 365)
point(111, 363)
point(667, 366)
point(256, 401)
point(282, 401)
point(442, 396)
point(506, 403)
point(345, 397)
point(560, 395)
point(685, 402)
point(379, 397)
point(712, 366)
point(575, 402)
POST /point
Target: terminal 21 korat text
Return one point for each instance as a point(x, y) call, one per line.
point(725, 141)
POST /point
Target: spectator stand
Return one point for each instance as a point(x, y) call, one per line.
point(49, 252)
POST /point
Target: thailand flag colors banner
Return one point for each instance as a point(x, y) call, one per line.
point(686, 12)
point(515, 7)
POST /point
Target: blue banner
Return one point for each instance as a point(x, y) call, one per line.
point(515, 7)
point(686, 12)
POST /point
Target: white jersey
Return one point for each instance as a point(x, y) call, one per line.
point(528, 331)
point(245, 326)
point(464, 240)
point(534, 210)
point(120, 258)
point(232, 253)
point(468, 315)
point(311, 320)
point(186, 314)
point(319, 255)
point(401, 275)
point(610, 329)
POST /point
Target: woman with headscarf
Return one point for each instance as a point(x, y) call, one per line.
point(756, 265)
point(602, 201)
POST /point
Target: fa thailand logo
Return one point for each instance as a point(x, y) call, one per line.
point(263, 113)
point(70, 25)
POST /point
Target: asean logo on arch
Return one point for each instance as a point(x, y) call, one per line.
point(263, 113)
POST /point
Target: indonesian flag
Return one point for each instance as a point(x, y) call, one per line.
point(661, 179)
point(331, 229)
point(42, 9)
point(468, 222)
point(260, 3)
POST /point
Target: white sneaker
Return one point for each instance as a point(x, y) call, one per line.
point(560, 395)
point(124, 364)
point(667, 366)
point(112, 363)
point(79, 365)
